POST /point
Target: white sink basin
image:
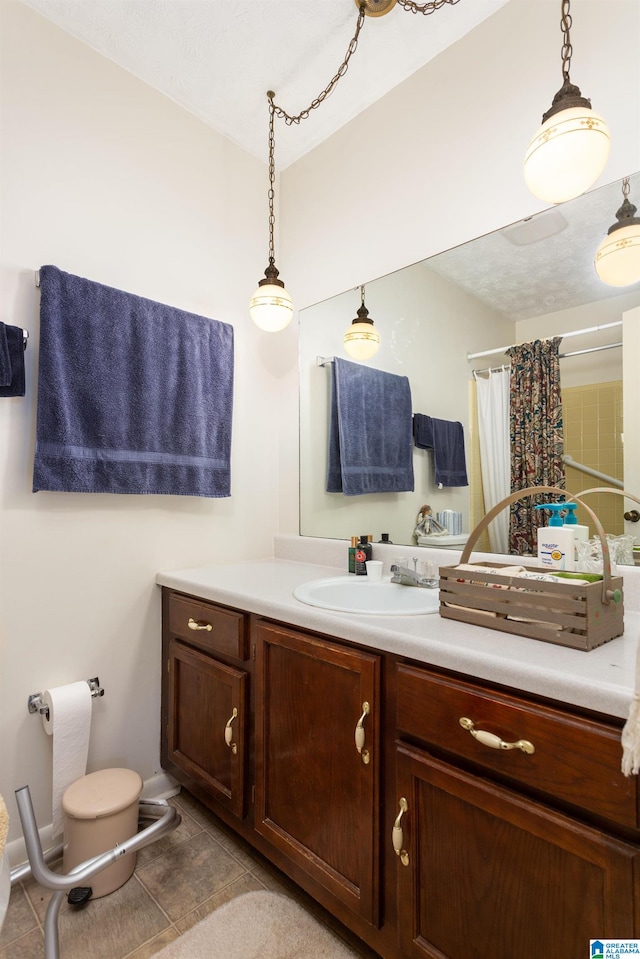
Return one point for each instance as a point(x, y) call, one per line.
point(353, 594)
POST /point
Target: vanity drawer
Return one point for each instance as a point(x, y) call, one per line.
point(575, 760)
point(210, 627)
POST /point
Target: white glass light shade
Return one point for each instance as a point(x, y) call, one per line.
point(271, 307)
point(361, 341)
point(567, 154)
point(617, 259)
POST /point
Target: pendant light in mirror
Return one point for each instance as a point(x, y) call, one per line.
point(361, 339)
point(617, 259)
point(271, 306)
point(570, 150)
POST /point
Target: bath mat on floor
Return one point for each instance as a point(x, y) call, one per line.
point(258, 925)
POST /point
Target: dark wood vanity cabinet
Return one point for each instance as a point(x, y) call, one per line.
point(205, 717)
point(497, 848)
point(355, 776)
point(317, 760)
point(486, 873)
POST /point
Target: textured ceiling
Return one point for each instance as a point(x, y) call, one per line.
point(218, 58)
point(547, 275)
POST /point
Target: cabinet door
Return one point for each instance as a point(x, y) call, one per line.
point(485, 874)
point(316, 788)
point(206, 723)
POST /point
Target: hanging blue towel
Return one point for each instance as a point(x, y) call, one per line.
point(370, 449)
point(133, 396)
point(12, 379)
point(446, 439)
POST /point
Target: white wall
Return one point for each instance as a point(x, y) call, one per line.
point(107, 179)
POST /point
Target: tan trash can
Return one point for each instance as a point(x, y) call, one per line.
point(101, 810)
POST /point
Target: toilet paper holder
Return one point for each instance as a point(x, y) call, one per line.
point(35, 703)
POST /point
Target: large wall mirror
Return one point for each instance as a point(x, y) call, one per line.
point(532, 279)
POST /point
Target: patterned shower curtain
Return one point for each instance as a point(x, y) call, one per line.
point(535, 434)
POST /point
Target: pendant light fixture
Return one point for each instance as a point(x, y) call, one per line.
point(361, 339)
point(617, 259)
point(570, 150)
point(271, 306)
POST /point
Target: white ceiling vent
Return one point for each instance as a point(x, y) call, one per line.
point(535, 228)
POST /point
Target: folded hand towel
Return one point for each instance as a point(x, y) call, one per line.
point(446, 439)
point(133, 396)
point(370, 447)
point(12, 380)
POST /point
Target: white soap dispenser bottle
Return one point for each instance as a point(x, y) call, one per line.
point(580, 532)
point(556, 547)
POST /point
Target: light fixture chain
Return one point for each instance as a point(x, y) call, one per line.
point(567, 50)
point(272, 176)
point(425, 8)
point(342, 69)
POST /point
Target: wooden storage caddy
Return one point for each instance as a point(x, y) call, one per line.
point(581, 616)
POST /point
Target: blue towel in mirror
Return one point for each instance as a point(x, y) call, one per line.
point(12, 379)
point(133, 396)
point(370, 440)
point(446, 439)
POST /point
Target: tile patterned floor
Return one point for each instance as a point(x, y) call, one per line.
point(178, 881)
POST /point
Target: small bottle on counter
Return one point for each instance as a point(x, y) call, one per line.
point(384, 538)
point(556, 548)
point(352, 554)
point(364, 551)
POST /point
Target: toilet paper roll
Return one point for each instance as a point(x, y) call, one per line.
point(69, 725)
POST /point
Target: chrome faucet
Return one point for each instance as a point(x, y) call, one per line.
point(410, 577)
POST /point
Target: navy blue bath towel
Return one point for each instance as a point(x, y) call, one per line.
point(133, 396)
point(446, 439)
point(370, 448)
point(12, 380)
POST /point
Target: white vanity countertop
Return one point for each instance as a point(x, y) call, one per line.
point(601, 679)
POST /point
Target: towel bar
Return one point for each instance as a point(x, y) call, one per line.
point(35, 702)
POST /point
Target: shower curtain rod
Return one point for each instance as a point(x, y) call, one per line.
point(561, 356)
point(564, 336)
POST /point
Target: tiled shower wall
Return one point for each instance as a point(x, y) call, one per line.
point(592, 418)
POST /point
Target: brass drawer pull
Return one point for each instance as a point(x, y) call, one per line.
point(193, 624)
point(397, 836)
point(360, 734)
point(228, 732)
point(490, 739)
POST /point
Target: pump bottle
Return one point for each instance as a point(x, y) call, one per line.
point(580, 532)
point(556, 547)
point(363, 553)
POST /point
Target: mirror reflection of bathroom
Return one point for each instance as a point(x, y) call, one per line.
point(446, 322)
